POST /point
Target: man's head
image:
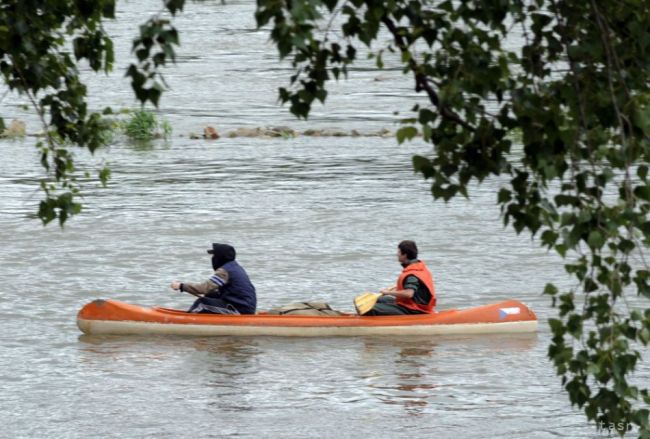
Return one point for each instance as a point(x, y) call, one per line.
point(406, 251)
point(221, 253)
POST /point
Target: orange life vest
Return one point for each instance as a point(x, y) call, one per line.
point(419, 270)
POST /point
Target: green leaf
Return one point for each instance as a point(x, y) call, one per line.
point(549, 238)
point(642, 192)
point(174, 6)
point(574, 326)
point(104, 176)
point(426, 116)
point(642, 119)
point(406, 133)
point(590, 286)
point(424, 166)
point(595, 240)
point(550, 290)
point(504, 196)
point(557, 327)
point(593, 369)
point(644, 336)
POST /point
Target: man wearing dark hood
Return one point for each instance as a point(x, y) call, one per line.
point(227, 291)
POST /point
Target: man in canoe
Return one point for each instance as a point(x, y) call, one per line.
point(227, 291)
point(414, 293)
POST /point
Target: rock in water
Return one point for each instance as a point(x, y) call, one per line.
point(210, 133)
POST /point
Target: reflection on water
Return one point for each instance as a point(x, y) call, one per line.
point(244, 374)
point(418, 376)
point(413, 385)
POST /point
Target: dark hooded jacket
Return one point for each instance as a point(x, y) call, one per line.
point(229, 283)
point(238, 290)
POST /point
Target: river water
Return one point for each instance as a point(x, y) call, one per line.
point(312, 218)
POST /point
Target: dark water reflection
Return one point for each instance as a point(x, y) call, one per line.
point(448, 378)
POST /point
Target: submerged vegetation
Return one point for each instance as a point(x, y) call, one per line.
point(15, 130)
point(139, 125)
point(144, 125)
point(135, 125)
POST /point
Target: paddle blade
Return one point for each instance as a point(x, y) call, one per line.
point(364, 302)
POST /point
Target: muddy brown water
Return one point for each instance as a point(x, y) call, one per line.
point(311, 218)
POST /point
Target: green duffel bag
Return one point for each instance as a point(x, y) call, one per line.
point(305, 309)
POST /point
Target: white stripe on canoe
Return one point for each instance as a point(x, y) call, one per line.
point(101, 327)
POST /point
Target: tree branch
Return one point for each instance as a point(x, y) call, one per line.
point(422, 81)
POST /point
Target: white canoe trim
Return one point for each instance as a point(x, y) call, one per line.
point(105, 327)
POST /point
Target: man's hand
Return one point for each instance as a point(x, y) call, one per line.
point(176, 285)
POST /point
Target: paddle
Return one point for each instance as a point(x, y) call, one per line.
point(365, 302)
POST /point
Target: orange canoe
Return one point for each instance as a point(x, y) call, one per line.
point(113, 317)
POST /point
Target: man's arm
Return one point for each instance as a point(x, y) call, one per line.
point(411, 286)
point(212, 285)
point(406, 293)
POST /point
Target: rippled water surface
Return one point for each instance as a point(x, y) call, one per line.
point(311, 218)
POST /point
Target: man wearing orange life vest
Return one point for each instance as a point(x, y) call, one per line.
point(414, 293)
